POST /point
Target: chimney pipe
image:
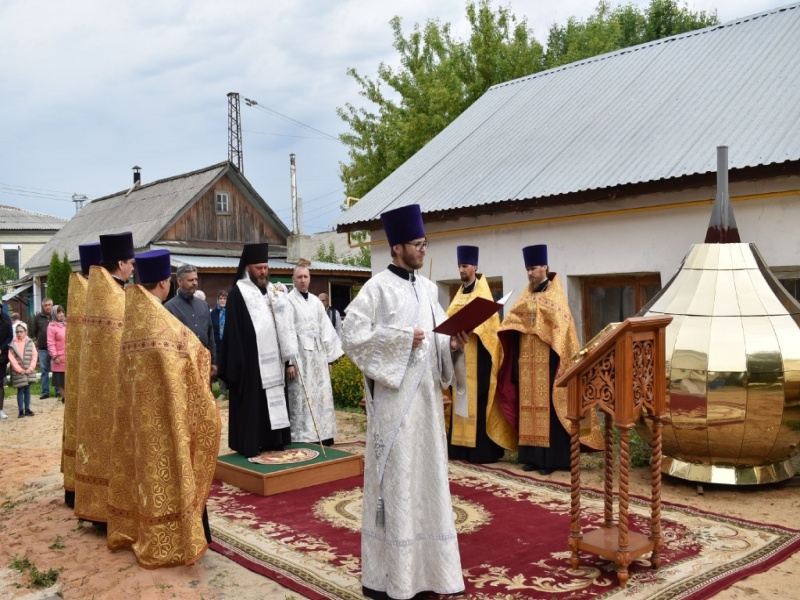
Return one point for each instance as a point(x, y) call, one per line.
point(722, 227)
point(137, 176)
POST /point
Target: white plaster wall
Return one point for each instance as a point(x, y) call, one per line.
point(29, 241)
point(628, 240)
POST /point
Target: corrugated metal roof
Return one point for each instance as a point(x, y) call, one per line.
point(647, 113)
point(145, 212)
point(16, 219)
point(232, 262)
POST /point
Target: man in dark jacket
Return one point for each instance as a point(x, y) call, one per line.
point(193, 312)
point(39, 335)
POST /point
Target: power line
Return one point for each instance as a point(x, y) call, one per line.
point(301, 137)
point(254, 103)
point(32, 192)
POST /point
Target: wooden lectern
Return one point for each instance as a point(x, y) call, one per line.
point(621, 371)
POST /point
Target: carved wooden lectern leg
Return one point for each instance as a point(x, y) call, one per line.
point(655, 492)
point(575, 492)
point(608, 459)
point(623, 557)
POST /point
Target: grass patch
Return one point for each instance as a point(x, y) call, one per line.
point(79, 526)
point(36, 578)
point(58, 544)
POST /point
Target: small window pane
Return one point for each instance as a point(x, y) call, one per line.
point(222, 202)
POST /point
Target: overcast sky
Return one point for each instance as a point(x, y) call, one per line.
point(91, 88)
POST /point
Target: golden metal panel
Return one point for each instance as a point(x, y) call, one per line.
point(764, 415)
point(712, 257)
point(703, 302)
point(786, 442)
point(771, 304)
point(725, 302)
point(729, 475)
point(685, 285)
point(696, 257)
point(727, 409)
point(727, 345)
point(692, 344)
point(788, 336)
point(670, 336)
point(687, 409)
point(749, 302)
point(748, 256)
point(761, 346)
point(791, 390)
point(737, 258)
point(724, 262)
point(666, 295)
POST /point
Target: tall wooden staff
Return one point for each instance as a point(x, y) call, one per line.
point(299, 374)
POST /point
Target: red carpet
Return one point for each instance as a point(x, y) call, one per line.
point(512, 535)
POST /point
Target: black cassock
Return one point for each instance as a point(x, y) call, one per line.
point(249, 430)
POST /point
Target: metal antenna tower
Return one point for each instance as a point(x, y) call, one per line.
point(79, 199)
point(235, 132)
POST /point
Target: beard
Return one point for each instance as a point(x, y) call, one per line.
point(261, 282)
point(412, 259)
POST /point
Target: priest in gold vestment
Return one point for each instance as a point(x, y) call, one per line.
point(99, 378)
point(471, 435)
point(538, 334)
point(90, 255)
point(167, 429)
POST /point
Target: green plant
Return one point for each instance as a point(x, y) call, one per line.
point(38, 579)
point(43, 579)
point(19, 564)
point(58, 544)
point(348, 384)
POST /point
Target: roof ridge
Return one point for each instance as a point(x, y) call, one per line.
point(33, 212)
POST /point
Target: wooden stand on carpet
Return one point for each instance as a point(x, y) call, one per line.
point(621, 371)
point(294, 478)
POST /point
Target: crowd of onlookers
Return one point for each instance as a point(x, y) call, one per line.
point(24, 350)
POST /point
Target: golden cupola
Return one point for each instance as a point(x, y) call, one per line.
point(733, 360)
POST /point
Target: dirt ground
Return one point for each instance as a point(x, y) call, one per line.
point(37, 526)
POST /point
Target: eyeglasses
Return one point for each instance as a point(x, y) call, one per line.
point(419, 245)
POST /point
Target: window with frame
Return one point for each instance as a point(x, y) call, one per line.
point(222, 203)
point(789, 277)
point(11, 259)
point(614, 298)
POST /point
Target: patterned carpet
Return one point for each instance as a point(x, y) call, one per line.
point(512, 536)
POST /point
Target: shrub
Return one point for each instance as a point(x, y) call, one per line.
point(348, 384)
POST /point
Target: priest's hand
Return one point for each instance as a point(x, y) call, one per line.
point(419, 337)
point(291, 373)
point(213, 371)
point(459, 340)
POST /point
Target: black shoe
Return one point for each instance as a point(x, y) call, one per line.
point(29, 413)
point(545, 471)
point(21, 414)
point(528, 467)
point(44, 396)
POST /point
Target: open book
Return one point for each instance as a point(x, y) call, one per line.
point(472, 315)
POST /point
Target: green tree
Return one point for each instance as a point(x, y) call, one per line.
point(57, 282)
point(437, 80)
point(440, 77)
point(612, 28)
point(328, 255)
point(7, 277)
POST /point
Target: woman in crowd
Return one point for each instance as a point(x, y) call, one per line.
point(57, 347)
point(22, 355)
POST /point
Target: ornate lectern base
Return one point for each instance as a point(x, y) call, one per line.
point(728, 474)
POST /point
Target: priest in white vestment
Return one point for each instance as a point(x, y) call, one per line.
point(408, 536)
point(310, 380)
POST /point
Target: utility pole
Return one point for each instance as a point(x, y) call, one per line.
point(235, 132)
point(79, 199)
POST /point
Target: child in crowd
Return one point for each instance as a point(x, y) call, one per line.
point(22, 355)
point(56, 347)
